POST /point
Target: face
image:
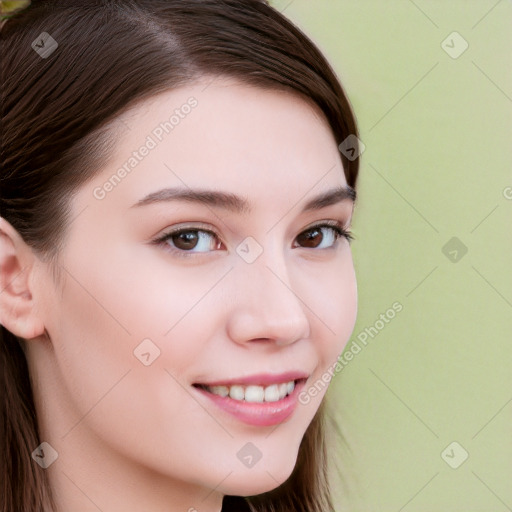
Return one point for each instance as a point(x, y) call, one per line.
point(204, 269)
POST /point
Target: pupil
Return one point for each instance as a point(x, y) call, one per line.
point(308, 238)
point(186, 240)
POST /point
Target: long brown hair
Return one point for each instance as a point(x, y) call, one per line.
point(55, 114)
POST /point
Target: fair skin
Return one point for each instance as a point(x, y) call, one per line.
point(136, 437)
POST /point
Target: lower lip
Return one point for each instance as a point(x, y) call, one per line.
point(261, 414)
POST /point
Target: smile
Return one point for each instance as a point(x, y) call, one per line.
point(271, 393)
point(259, 404)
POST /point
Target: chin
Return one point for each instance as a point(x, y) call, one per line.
point(259, 480)
point(252, 486)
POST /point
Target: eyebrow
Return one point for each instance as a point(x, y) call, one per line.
point(232, 202)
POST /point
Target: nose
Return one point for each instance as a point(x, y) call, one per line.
point(267, 307)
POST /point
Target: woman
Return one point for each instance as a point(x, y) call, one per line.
point(175, 265)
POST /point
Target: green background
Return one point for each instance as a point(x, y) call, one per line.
point(437, 165)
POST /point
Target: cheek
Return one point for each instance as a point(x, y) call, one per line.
point(104, 388)
point(92, 344)
point(105, 313)
point(334, 307)
point(333, 315)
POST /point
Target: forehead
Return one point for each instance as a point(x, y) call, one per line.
point(223, 135)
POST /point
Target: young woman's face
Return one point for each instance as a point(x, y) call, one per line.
point(247, 295)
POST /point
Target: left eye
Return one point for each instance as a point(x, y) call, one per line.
point(315, 238)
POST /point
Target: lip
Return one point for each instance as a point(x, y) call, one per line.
point(261, 414)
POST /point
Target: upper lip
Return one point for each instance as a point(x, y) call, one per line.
point(263, 379)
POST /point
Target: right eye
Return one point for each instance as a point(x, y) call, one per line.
point(189, 240)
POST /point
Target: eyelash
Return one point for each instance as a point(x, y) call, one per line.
point(336, 227)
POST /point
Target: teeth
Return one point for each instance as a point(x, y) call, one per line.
point(283, 390)
point(220, 390)
point(271, 393)
point(236, 392)
point(254, 394)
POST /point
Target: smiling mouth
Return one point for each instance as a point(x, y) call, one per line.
point(253, 393)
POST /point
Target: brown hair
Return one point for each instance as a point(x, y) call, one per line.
point(55, 115)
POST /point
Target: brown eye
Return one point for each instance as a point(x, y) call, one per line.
point(310, 238)
point(323, 236)
point(185, 240)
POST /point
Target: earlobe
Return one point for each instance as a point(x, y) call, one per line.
point(17, 311)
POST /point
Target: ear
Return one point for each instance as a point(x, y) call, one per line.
point(17, 266)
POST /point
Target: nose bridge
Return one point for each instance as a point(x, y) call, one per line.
point(267, 304)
